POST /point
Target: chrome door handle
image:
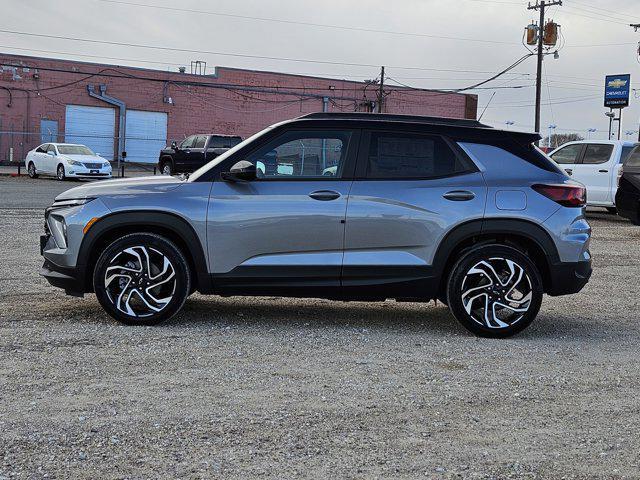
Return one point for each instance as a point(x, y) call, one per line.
point(459, 195)
point(324, 195)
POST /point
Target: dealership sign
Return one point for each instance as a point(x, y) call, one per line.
point(616, 91)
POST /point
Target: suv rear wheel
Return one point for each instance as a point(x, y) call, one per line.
point(142, 279)
point(494, 291)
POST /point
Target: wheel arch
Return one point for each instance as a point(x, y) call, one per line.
point(166, 159)
point(167, 224)
point(522, 234)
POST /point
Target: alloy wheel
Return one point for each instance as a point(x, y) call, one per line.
point(140, 281)
point(61, 173)
point(32, 170)
point(166, 169)
point(496, 292)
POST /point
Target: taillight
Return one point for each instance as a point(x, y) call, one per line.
point(565, 195)
point(620, 172)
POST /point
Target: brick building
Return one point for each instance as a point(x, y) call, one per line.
point(44, 99)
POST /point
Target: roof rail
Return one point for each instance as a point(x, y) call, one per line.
point(391, 117)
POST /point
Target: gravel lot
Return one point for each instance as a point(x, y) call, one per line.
point(277, 388)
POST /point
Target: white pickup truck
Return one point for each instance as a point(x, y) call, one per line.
point(596, 164)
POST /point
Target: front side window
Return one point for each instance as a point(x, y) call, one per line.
point(42, 148)
point(411, 156)
point(303, 155)
point(595, 154)
point(567, 155)
point(200, 141)
point(188, 142)
point(51, 149)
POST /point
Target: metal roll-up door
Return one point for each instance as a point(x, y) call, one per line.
point(146, 135)
point(94, 127)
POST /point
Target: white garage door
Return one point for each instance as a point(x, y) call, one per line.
point(94, 127)
point(146, 135)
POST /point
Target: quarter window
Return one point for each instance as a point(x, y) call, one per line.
point(411, 156)
point(596, 153)
point(634, 158)
point(567, 155)
point(626, 151)
point(303, 155)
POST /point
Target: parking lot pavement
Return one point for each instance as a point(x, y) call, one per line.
point(277, 388)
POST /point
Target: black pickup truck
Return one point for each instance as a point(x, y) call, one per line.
point(193, 152)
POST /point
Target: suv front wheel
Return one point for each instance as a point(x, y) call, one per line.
point(142, 279)
point(494, 291)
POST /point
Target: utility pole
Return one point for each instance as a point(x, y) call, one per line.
point(541, 6)
point(381, 93)
point(636, 27)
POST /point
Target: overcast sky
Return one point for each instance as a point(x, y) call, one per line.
point(573, 84)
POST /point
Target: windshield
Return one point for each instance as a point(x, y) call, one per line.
point(74, 150)
point(205, 168)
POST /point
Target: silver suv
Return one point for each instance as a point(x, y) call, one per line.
point(339, 206)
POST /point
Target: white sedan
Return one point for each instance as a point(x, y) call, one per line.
point(66, 160)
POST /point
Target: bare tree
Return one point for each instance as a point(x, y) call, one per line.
point(558, 139)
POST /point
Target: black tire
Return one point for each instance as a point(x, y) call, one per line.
point(60, 173)
point(464, 277)
point(175, 282)
point(31, 170)
point(612, 210)
point(166, 168)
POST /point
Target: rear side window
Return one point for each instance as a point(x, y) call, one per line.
point(596, 153)
point(634, 158)
point(224, 142)
point(567, 155)
point(411, 156)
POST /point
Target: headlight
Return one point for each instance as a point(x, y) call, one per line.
point(58, 228)
point(106, 165)
point(75, 162)
point(69, 203)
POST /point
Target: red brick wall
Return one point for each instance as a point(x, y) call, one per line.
point(243, 103)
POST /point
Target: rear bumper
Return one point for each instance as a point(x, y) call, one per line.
point(628, 204)
point(568, 277)
point(68, 279)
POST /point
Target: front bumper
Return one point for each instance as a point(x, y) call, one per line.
point(66, 278)
point(568, 277)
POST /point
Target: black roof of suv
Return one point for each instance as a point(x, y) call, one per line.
point(454, 127)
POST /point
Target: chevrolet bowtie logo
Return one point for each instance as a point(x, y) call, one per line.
point(617, 83)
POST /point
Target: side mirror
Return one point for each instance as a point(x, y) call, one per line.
point(174, 145)
point(97, 154)
point(53, 154)
point(242, 171)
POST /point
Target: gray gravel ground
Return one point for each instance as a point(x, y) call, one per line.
point(277, 388)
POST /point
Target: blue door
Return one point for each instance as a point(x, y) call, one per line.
point(48, 131)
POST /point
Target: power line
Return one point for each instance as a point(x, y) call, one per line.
point(303, 23)
point(227, 54)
